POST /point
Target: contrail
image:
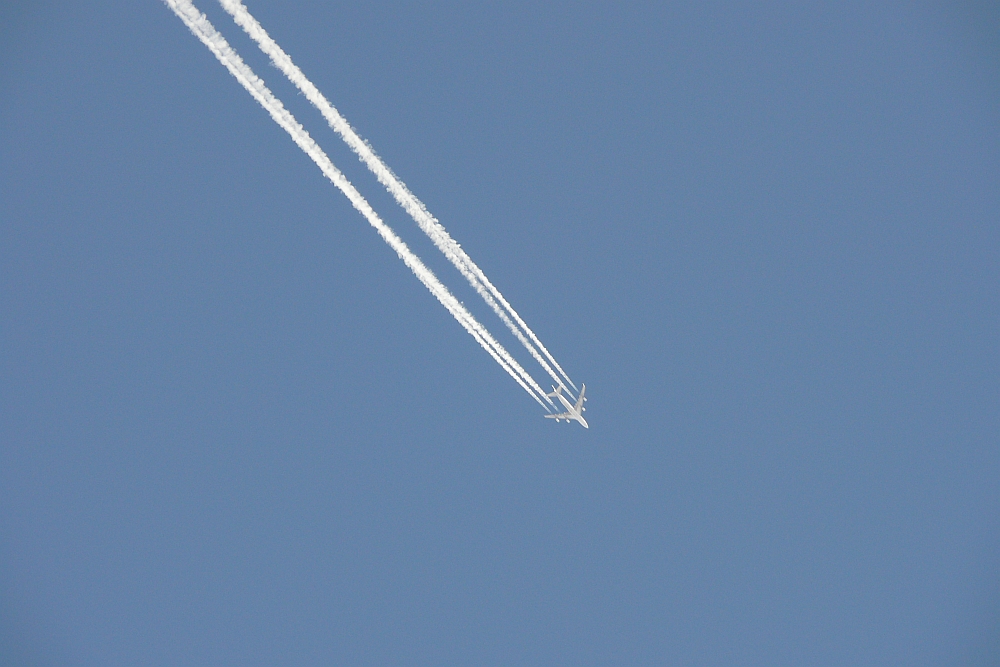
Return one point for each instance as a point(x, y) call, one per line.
point(199, 24)
point(428, 223)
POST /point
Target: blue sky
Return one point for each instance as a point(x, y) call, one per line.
point(235, 429)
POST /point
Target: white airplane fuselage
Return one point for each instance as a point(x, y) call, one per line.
point(573, 412)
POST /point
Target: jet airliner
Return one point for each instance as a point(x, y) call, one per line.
point(573, 412)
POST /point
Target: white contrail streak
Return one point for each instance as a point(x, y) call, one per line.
point(428, 223)
point(199, 24)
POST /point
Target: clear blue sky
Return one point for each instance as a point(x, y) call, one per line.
point(235, 430)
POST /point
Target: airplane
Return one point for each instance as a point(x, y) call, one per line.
point(573, 412)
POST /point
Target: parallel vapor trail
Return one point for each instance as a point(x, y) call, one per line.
point(430, 225)
point(199, 24)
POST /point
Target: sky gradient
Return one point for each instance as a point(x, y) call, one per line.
point(236, 430)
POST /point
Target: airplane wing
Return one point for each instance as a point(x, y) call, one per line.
point(567, 416)
point(579, 402)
